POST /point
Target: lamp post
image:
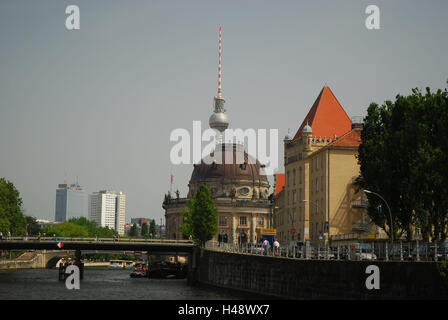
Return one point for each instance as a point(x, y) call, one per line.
point(390, 214)
point(318, 208)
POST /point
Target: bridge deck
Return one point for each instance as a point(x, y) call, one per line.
point(151, 246)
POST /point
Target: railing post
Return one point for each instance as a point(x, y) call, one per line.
point(401, 250)
point(386, 251)
point(435, 251)
point(418, 250)
point(337, 252)
point(294, 252)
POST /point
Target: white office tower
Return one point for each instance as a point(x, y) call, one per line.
point(120, 213)
point(108, 209)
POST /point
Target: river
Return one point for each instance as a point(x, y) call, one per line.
point(102, 283)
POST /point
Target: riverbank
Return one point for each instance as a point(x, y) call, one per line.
point(31, 260)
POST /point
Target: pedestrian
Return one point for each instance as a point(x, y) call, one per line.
point(276, 247)
point(9, 235)
point(265, 245)
point(1, 235)
point(38, 237)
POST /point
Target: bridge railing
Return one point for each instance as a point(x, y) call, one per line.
point(399, 251)
point(90, 239)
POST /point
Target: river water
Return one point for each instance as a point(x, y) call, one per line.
point(102, 283)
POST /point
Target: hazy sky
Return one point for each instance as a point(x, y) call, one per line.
point(100, 102)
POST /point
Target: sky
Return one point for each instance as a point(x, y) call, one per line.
point(98, 104)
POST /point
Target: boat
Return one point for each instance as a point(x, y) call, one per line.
point(168, 270)
point(140, 271)
point(120, 264)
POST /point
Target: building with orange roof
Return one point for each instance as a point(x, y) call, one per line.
point(279, 182)
point(319, 201)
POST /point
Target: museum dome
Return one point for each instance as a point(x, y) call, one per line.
point(229, 171)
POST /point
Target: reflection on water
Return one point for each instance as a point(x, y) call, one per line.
point(103, 283)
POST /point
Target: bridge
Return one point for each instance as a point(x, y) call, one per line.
point(61, 244)
point(102, 244)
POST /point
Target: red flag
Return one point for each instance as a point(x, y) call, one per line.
point(172, 179)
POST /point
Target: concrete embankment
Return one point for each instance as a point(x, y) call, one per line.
point(320, 279)
point(28, 260)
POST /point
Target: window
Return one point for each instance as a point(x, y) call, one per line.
point(317, 184)
point(294, 177)
point(294, 197)
point(317, 163)
point(222, 220)
point(243, 220)
point(287, 178)
point(261, 221)
point(300, 175)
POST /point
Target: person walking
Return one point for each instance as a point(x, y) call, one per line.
point(1, 235)
point(9, 235)
point(265, 246)
point(276, 247)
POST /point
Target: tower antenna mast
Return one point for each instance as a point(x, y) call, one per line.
point(218, 120)
point(219, 66)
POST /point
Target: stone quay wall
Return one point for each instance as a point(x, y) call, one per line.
point(289, 278)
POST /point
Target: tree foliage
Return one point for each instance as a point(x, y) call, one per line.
point(403, 157)
point(201, 217)
point(79, 227)
point(11, 215)
point(133, 231)
point(152, 228)
point(145, 230)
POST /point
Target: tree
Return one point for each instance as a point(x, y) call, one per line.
point(32, 226)
point(403, 157)
point(11, 216)
point(201, 217)
point(145, 229)
point(79, 227)
point(152, 228)
point(133, 231)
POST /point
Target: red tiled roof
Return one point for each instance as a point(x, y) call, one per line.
point(326, 117)
point(279, 182)
point(350, 139)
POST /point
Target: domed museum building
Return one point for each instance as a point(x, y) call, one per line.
point(239, 187)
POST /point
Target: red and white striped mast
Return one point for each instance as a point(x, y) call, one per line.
point(219, 65)
point(218, 119)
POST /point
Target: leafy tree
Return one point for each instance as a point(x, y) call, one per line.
point(133, 231)
point(152, 228)
point(32, 226)
point(201, 217)
point(145, 229)
point(11, 216)
point(79, 227)
point(403, 157)
point(66, 229)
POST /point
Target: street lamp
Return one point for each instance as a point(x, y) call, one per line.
point(390, 214)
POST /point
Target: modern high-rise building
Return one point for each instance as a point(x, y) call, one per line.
point(108, 209)
point(71, 202)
